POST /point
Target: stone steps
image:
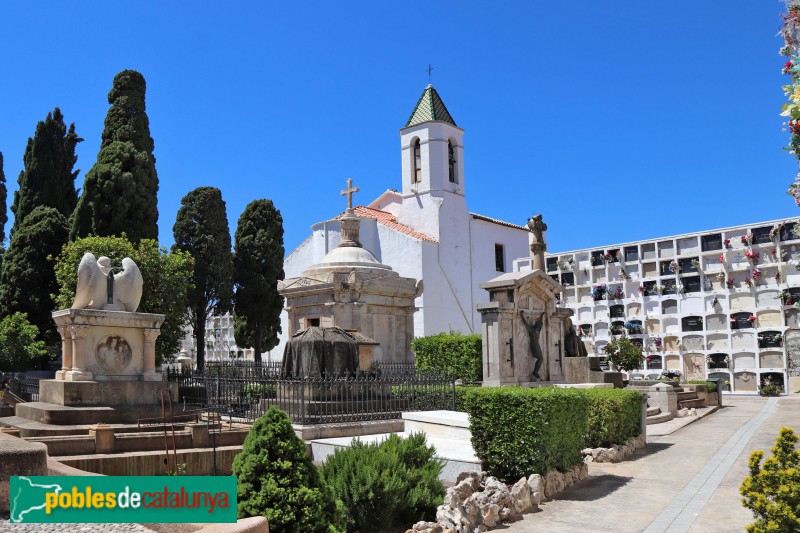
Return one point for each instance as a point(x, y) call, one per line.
point(693, 403)
point(652, 411)
point(661, 417)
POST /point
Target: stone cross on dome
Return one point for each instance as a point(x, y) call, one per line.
point(349, 193)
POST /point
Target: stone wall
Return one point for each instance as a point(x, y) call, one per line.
point(19, 458)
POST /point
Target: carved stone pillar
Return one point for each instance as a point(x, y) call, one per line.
point(66, 351)
point(149, 369)
point(537, 250)
point(78, 371)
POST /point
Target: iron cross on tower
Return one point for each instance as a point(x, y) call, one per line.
point(349, 192)
point(429, 70)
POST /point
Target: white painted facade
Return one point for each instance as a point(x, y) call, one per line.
point(423, 230)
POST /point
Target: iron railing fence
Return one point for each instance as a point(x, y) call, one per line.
point(24, 386)
point(245, 393)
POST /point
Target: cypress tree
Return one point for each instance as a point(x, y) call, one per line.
point(120, 191)
point(258, 266)
point(201, 229)
point(27, 278)
point(3, 198)
point(48, 177)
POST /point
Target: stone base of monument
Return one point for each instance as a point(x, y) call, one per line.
point(587, 370)
point(74, 403)
point(90, 402)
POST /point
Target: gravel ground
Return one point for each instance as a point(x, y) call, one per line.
point(5, 525)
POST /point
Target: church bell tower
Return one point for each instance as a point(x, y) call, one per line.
point(432, 148)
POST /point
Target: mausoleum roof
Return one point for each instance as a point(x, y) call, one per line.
point(430, 108)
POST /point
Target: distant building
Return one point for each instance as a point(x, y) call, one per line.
point(220, 344)
point(721, 303)
point(423, 230)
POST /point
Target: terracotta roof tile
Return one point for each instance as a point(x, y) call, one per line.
point(389, 220)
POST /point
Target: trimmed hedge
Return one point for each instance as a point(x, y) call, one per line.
point(451, 351)
point(386, 484)
point(518, 431)
point(613, 416)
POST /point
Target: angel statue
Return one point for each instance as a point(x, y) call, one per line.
point(101, 286)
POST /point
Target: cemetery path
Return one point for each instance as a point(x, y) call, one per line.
point(684, 482)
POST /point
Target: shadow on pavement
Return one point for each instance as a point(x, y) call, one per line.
point(594, 488)
point(650, 449)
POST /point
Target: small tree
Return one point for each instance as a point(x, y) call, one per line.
point(19, 347)
point(201, 229)
point(166, 282)
point(258, 266)
point(277, 479)
point(624, 355)
point(27, 279)
point(772, 491)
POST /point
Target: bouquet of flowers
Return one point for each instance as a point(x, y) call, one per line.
point(727, 243)
point(748, 282)
point(747, 239)
point(756, 275)
point(729, 283)
point(751, 255)
point(598, 291)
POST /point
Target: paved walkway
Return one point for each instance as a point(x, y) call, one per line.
point(687, 481)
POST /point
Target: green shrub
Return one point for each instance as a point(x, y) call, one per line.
point(624, 355)
point(386, 484)
point(614, 416)
point(277, 479)
point(423, 398)
point(19, 349)
point(517, 431)
point(461, 397)
point(772, 491)
point(451, 351)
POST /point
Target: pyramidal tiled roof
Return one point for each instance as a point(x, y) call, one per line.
point(430, 107)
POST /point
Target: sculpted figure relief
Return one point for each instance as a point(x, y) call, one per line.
point(534, 328)
point(100, 287)
point(572, 342)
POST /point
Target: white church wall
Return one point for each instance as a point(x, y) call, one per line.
point(483, 237)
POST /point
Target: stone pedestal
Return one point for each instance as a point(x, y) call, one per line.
point(587, 370)
point(664, 397)
point(103, 345)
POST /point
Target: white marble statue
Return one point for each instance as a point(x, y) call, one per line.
point(94, 286)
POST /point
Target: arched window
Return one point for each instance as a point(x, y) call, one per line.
point(417, 176)
point(451, 158)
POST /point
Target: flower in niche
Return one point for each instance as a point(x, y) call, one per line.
point(748, 282)
point(756, 274)
point(727, 243)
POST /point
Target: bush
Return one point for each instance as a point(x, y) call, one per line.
point(277, 479)
point(461, 396)
point(517, 431)
point(624, 355)
point(19, 349)
point(614, 416)
point(386, 484)
point(463, 354)
point(772, 492)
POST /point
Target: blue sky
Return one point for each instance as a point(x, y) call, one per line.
point(618, 120)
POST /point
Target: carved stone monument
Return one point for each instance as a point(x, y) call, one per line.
point(350, 289)
point(108, 352)
point(522, 329)
point(527, 338)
